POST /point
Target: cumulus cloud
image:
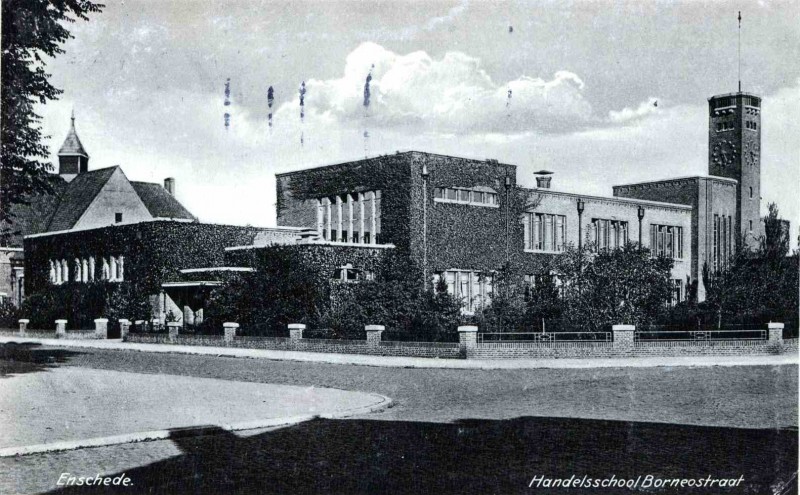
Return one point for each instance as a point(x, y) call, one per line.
point(453, 94)
point(627, 114)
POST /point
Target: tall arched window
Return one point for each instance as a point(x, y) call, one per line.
point(751, 192)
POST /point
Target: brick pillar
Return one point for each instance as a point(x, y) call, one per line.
point(374, 334)
point(623, 338)
point(467, 340)
point(61, 328)
point(173, 329)
point(230, 330)
point(775, 332)
point(124, 328)
point(296, 331)
point(23, 326)
point(101, 328)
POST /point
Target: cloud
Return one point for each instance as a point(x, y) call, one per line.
point(451, 15)
point(627, 114)
point(452, 94)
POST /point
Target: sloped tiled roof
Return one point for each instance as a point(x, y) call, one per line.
point(72, 144)
point(77, 196)
point(33, 216)
point(159, 202)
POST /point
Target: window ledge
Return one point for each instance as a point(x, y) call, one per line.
point(539, 251)
point(465, 203)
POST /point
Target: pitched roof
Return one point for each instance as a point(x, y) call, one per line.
point(33, 216)
point(72, 144)
point(77, 196)
point(159, 202)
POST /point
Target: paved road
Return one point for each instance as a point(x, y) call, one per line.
point(457, 430)
point(68, 404)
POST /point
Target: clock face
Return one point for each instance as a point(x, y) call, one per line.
point(751, 154)
point(724, 153)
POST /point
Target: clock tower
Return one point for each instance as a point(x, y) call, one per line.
point(734, 151)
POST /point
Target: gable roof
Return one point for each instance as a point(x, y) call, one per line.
point(72, 144)
point(159, 202)
point(77, 197)
point(32, 216)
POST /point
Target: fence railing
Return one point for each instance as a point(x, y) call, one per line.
point(698, 335)
point(493, 337)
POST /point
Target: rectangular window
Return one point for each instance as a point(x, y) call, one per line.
point(677, 291)
point(474, 196)
point(117, 217)
point(715, 250)
point(547, 232)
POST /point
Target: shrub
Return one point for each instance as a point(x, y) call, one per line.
point(9, 315)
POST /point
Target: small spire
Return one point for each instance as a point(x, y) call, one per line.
point(72, 117)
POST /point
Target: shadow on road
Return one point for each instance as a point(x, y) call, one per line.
point(29, 358)
point(469, 456)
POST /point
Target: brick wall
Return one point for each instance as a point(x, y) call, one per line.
point(408, 349)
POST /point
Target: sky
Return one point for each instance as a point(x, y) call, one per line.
point(146, 80)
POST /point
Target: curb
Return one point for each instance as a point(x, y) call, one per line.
point(152, 435)
point(422, 363)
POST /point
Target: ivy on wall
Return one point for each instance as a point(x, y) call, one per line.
point(154, 252)
point(388, 174)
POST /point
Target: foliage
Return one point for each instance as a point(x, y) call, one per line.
point(9, 314)
point(775, 242)
point(32, 31)
point(282, 290)
point(755, 286)
point(293, 284)
point(81, 303)
point(614, 286)
point(397, 300)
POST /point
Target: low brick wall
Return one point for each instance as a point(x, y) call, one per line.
point(51, 334)
point(542, 350)
point(335, 346)
point(703, 348)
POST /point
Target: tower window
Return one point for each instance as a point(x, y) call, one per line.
point(117, 217)
point(750, 224)
point(751, 192)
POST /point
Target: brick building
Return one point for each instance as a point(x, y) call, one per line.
point(460, 218)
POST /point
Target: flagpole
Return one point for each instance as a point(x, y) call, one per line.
point(739, 54)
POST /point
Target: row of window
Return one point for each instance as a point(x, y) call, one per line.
point(354, 218)
point(545, 232)
point(347, 273)
point(608, 234)
point(474, 289)
point(750, 124)
point(722, 241)
point(666, 240)
point(111, 268)
point(473, 196)
point(724, 126)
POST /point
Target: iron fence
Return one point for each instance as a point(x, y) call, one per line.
point(699, 335)
point(544, 337)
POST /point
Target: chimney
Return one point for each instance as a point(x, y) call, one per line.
point(543, 179)
point(169, 185)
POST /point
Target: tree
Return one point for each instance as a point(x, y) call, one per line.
point(775, 243)
point(613, 286)
point(31, 31)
